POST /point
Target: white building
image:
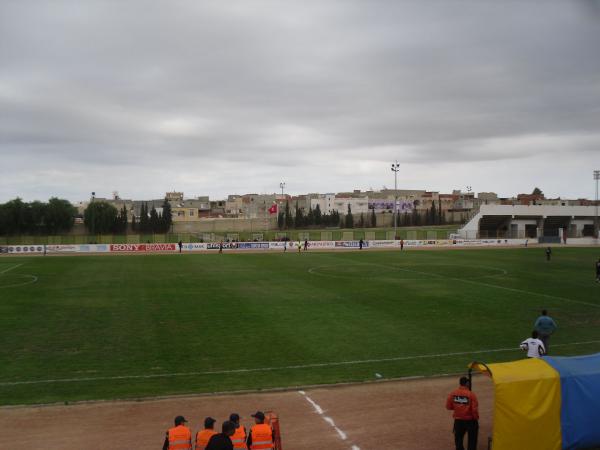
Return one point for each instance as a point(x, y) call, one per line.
point(329, 203)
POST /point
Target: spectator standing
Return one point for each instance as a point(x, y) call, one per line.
point(464, 405)
point(533, 346)
point(179, 437)
point(548, 253)
point(401, 244)
point(202, 437)
point(545, 326)
point(360, 244)
point(598, 271)
point(180, 244)
point(222, 441)
point(240, 434)
point(261, 435)
point(305, 244)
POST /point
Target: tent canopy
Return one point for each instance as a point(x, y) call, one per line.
point(550, 403)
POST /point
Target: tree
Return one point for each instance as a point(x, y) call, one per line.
point(120, 225)
point(373, 218)
point(537, 191)
point(167, 217)
point(416, 217)
point(289, 220)
point(349, 218)
point(154, 221)
point(59, 216)
point(100, 217)
point(432, 214)
point(134, 226)
point(16, 217)
point(310, 217)
point(318, 215)
point(440, 214)
point(299, 218)
point(144, 221)
point(280, 220)
point(361, 221)
point(35, 217)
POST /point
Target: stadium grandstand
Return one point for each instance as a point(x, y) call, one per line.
point(547, 223)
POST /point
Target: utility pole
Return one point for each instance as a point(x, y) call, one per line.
point(395, 169)
point(596, 177)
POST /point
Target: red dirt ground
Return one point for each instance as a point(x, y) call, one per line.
point(390, 415)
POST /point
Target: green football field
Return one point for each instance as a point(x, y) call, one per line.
point(104, 327)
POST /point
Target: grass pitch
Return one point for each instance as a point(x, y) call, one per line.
point(102, 327)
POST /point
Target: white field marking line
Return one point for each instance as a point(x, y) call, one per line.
point(501, 287)
point(33, 279)
point(485, 284)
point(11, 268)
point(502, 272)
point(270, 369)
point(343, 436)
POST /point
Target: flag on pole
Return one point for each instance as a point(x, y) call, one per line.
point(273, 209)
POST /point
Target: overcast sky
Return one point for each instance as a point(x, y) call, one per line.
point(219, 97)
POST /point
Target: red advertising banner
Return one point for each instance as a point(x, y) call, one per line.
point(161, 247)
point(143, 247)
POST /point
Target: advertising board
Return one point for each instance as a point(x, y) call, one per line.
point(253, 245)
point(349, 244)
point(216, 245)
point(383, 244)
point(194, 246)
point(20, 249)
point(403, 205)
point(143, 247)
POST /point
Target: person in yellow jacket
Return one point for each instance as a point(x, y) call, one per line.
point(202, 437)
point(179, 437)
point(239, 437)
point(261, 436)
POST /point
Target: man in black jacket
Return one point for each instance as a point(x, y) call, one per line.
point(222, 441)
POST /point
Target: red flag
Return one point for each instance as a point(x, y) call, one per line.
point(273, 209)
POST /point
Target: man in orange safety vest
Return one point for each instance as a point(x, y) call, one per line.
point(179, 437)
point(239, 437)
point(202, 437)
point(261, 435)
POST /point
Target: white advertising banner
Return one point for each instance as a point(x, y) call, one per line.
point(194, 247)
point(383, 244)
point(276, 245)
point(21, 249)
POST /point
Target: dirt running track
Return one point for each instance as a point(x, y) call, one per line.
point(376, 416)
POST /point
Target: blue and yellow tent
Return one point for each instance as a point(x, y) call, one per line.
point(551, 403)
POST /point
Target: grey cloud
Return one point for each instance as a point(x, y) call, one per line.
point(279, 88)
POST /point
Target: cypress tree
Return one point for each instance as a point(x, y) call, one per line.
point(349, 218)
point(289, 221)
point(318, 215)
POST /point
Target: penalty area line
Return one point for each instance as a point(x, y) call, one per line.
point(11, 268)
point(271, 369)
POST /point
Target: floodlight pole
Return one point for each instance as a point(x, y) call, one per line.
point(596, 177)
point(93, 228)
point(282, 186)
point(395, 169)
